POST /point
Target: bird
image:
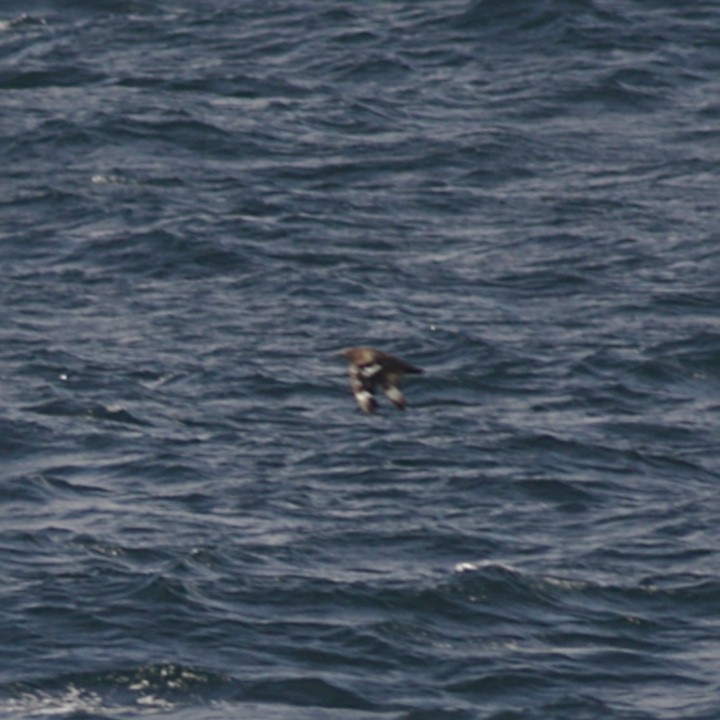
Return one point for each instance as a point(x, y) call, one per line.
point(370, 367)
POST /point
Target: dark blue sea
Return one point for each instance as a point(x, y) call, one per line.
point(201, 202)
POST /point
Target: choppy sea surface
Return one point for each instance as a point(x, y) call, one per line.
point(200, 202)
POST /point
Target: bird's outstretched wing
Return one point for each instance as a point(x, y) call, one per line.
point(363, 380)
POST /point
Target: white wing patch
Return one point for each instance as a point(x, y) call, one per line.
point(395, 396)
point(368, 371)
point(365, 400)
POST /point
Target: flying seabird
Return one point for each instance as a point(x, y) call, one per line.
point(368, 367)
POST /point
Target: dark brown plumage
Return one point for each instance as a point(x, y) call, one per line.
point(370, 368)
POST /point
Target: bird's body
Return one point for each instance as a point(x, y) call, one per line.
point(370, 368)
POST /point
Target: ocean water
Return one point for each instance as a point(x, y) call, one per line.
point(201, 202)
